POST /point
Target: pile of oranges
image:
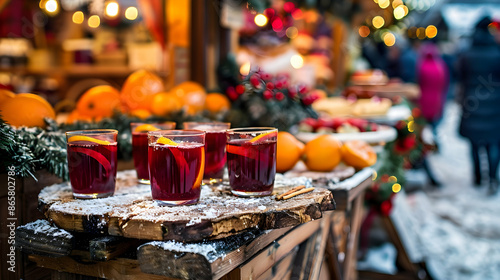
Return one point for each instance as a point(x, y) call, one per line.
point(322, 154)
point(143, 95)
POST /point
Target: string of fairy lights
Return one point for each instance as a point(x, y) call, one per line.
point(112, 10)
point(390, 19)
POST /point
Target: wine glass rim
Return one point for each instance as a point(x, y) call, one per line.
point(92, 131)
point(177, 132)
point(153, 123)
point(252, 129)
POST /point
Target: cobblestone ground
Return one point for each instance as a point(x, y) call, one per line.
point(458, 225)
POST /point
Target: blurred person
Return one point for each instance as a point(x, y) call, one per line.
point(479, 96)
point(433, 80)
point(409, 58)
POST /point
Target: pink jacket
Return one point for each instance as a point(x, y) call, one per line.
point(433, 80)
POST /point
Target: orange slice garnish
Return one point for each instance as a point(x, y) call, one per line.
point(262, 137)
point(197, 183)
point(146, 127)
point(166, 141)
point(87, 138)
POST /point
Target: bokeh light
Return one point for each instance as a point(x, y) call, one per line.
point(94, 21)
point(420, 33)
point(364, 31)
point(396, 188)
point(277, 25)
point(431, 31)
point(131, 13)
point(399, 12)
point(245, 69)
point(297, 61)
point(378, 22)
point(78, 17)
point(112, 9)
point(292, 32)
point(389, 39)
point(384, 3)
point(50, 6)
point(260, 20)
point(397, 3)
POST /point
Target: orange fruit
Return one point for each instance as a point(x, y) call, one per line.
point(322, 154)
point(165, 103)
point(358, 154)
point(140, 113)
point(217, 102)
point(99, 101)
point(288, 151)
point(193, 96)
point(5, 94)
point(26, 109)
point(139, 89)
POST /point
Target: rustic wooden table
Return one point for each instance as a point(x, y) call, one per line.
point(258, 238)
point(348, 188)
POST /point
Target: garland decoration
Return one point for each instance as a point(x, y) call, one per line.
point(405, 152)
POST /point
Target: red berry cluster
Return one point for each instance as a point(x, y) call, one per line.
point(271, 87)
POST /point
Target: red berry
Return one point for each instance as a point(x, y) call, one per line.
point(255, 80)
point(267, 94)
point(240, 89)
point(386, 207)
point(270, 86)
point(265, 76)
point(279, 85)
point(307, 100)
point(231, 93)
point(280, 96)
point(303, 89)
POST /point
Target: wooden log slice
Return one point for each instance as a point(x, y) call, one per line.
point(132, 213)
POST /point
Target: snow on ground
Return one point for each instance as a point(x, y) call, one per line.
point(459, 224)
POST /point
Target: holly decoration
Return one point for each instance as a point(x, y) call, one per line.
point(261, 99)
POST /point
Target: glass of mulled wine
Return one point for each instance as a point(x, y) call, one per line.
point(251, 160)
point(140, 146)
point(92, 159)
point(176, 164)
point(215, 148)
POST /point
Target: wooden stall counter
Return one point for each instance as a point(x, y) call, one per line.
point(128, 237)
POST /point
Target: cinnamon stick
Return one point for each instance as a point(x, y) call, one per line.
point(297, 193)
point(279, 197)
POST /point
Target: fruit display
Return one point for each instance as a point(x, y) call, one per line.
point(337, 125)
point(323, 153)
point(99, 102)
point(139, 88)
point(289, 151)
point(26, 109)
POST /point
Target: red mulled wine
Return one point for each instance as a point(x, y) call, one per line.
point(176, 172)
point(215, 154)
point(92, 168)
point(140, 154)
point(252, 166)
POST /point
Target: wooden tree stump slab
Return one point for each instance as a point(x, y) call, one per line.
point(132, 213)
